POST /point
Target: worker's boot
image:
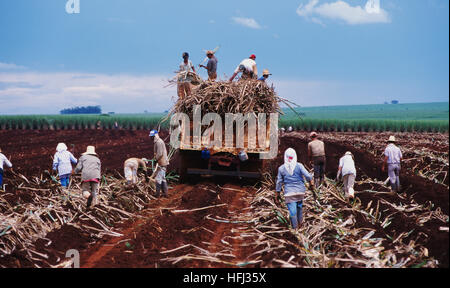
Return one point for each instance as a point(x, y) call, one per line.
point(158, 190)
point(165, 189)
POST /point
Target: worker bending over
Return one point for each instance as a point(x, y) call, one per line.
point(248, 69)
point(130, 169)
point(160, 152)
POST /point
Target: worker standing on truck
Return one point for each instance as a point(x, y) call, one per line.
point(160, 152)
point(3, 161)
point(90, 167)
point(265, 75)
point(292, 175)
point(347, 170)
point(211, 67)
point(392, 158)
point(316, 154)
point(130, 169)
point(184, 81)
point(62, 162)
point(248, 69)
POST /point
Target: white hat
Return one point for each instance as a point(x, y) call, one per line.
point(348, 153)
point(392, 139)
point(90, 150)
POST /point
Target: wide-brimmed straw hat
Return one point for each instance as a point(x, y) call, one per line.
point(313, 134)
point(90, 150)
point(392, 139)
point(266, 72)
point(209, 52)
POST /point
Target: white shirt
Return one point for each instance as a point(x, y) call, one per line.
point(248, 64)
point(186, 67)
point(348, 165)
point(4, 160)
point(393, 153)
point(62, 161)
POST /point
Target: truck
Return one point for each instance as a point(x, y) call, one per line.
point(239, 147)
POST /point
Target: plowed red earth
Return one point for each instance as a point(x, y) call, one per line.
point(151, 239)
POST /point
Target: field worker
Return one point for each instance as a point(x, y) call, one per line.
point(163, 161)
point(211, 66)
point(3, 161)
point(265, 75)
point(392, 158)
point(130, 168)
point(248, 69)
point(292, 176)
point(62, 162)
point(184, 82)
point(347, 170)
point(90, 166)
point(316, 154)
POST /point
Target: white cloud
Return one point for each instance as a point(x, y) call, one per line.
point(10, 66)
point(341, 10)
point(48, 93)
point(247, 22)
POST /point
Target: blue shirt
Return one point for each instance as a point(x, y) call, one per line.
point(295, 183)
point(262, 78)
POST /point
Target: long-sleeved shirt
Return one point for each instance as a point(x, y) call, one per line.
point(161, 153)
point(4, 161)
point(393, 153)
point(63, 162)
point(90, 167)
point(293, 184)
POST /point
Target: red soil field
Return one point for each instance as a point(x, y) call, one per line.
point(160, 229)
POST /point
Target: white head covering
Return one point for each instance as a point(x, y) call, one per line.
point(61, 147)
point(290, 160)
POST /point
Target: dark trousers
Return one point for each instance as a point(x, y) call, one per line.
point(319, 167)
point(1, 178)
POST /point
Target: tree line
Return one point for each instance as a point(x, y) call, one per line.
point(82, 110)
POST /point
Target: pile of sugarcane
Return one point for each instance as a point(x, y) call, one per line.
point(425, 154)
point(332, 235)
point(232, 97)
point(48, 207)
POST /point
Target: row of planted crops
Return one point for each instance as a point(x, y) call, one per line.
point(72, 122)
point(139, 122)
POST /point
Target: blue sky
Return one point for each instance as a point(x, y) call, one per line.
point(119, 54)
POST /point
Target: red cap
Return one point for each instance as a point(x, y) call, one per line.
point(252, 56)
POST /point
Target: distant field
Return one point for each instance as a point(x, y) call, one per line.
point(423, 117)
point(418, 117)
point(416, 111)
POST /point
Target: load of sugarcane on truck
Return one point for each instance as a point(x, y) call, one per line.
point(224, 128)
